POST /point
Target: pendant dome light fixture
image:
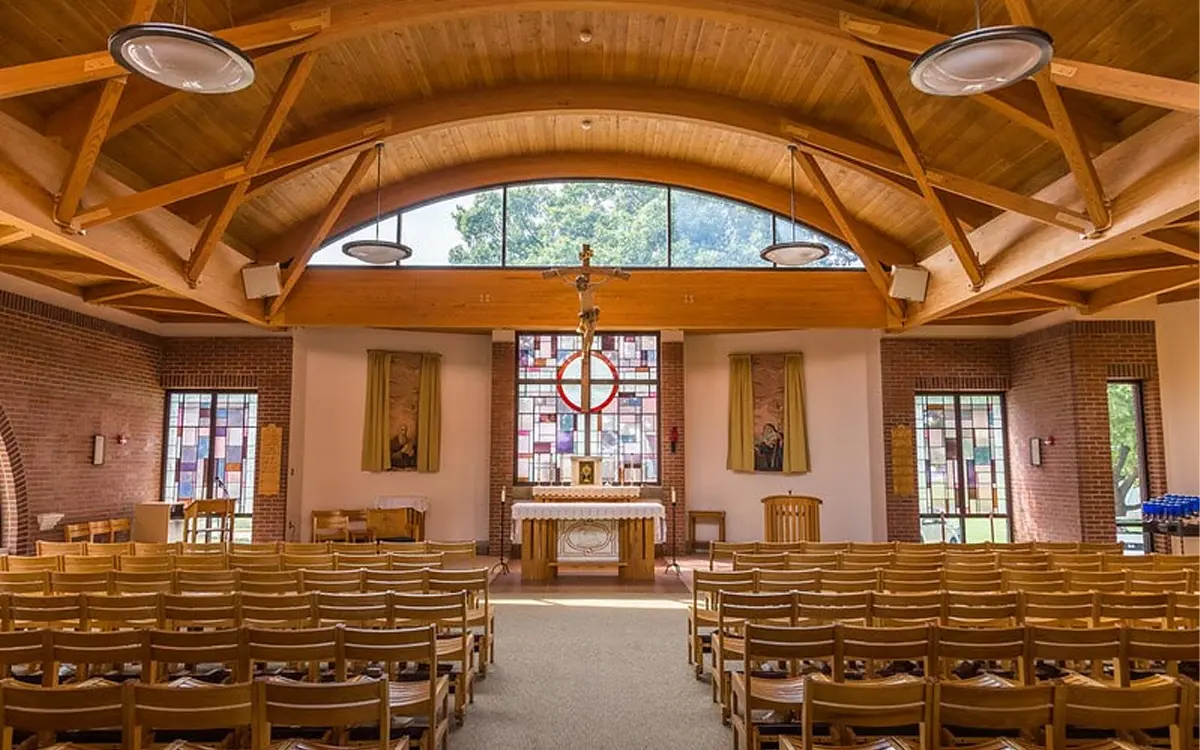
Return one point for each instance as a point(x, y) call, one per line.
point(378, 252)
point(981, 60)
point(794, 253)
point(182, 57)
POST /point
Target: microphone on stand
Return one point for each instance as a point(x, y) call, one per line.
point(221, 484)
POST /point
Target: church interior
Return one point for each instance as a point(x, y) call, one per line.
point(630, 373)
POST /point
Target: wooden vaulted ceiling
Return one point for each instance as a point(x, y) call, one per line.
point(703, 93)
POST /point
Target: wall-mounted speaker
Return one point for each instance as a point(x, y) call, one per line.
point(909, 282)
point(261, 281)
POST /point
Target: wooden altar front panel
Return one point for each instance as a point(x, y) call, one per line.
point(539, 549)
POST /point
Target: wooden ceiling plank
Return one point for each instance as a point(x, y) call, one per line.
point(115, 290)
point(828, 195)
point(1053, 293)
point(47, 75)
point(1152, 178)
point(1186, 294)
point(1143, 285)
point(1175, 241)
point(268, 129)
point(1101, 267)
point(50, 263)
point(45, 279)
point(320, 230)
point(1068, 136)
point(893, 120)
point(87, 150)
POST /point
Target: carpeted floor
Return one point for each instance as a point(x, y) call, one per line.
point(580, 670)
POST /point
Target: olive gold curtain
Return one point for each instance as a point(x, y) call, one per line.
point(429, 414)
point(741, 414)
point(795, 435)
point(376, 455)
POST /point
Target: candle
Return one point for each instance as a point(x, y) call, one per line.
point(503, 490)
point(673, 500)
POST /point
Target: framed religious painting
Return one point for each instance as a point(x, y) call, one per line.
point(585, 471)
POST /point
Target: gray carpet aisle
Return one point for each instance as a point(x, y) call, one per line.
point(612, 675)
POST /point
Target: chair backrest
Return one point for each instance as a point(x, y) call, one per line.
point(18, 564)
point(424, 560)
point(464, 550)
point(354, 548)
point(910, 580)
point(75, 532)
point(1148, 581)
point(1009, 560)
point(78, 583)
point(309, 646)
point(27, 611)
point(447, 610)
point(332, 581)
point(996, 609)
point(277, 610)
point(362, 610)
point(873, 547)
point(1057, 547)
point(1185, 609)
point(207, 581)
point(105, 549)
point(394, 646)
point(46, 549)
point(26, 647)
point(193, 647)
point(476, 582)
point(330, 524)
point(346, 561)
point(772, 547)
point(1105, 548)
point(956, 579)
point(255, 561)
point(151, 707)
point(203, 548)
point(131, 582)
point(88, 564)
point(864, 705)
point(255, 548)
point(305, 548)
point(395, 580)
point(1124, 709)
point(1026, 708)
point(121, 611)
point(146, 563)
point(832, 607)
point(38, 709)
point(1121, 561)
point(953, 645)
point(263, 581)
point(764, 561)
point(1069, 609)
point(323, 561)
point(891, 609)
point(812, 560)
point(201, 561)
point(328, 704)
point(156, 548)
point(87, 649)
point(850, 581)
point(1085, 561)
point(404, 548)
point(200, 611)
point(792, 644)
point(1073, 645)
point(31, 582)
point(1112, 581)
point(872, 644)
point(1158, 645)
point(788, 580)
point(1034, 580)
point(866, 560)
point(736, 608)
point(1134, 608)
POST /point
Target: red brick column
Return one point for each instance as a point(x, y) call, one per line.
point(671, 465)
point(504, 410)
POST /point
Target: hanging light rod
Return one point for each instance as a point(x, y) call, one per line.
point(793, 253)
point(981, 60)
point(378, 252)
point(182, 57)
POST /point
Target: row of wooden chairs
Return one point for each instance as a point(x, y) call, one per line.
point(221, 561)
point(139, 710)
point(726, 550)
point(104, 530)
point(931, 714)
point(464, 550)
point(1089, 561)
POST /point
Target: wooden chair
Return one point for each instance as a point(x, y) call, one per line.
point(1030, 561)
point(404, 548)
point(779, 581)
point(482, 616)
point(751, 692)
point(1103, 548)
point(137, 582)
point(761, 561)
point(1120, 561)
point(1088, 561)
point(207, 581)
point(201, 561)
point(895, 610)
point(359, 525)
point(345, 561)
point(88, 650)
point(56, 611)
point(331, 581)
point(1185, 609)
point(426, 560)
point(874, 548)
point(772, 547)
point(270, 582)
point(120, 527)
point(266, 562)
point(992, 610)
point(330, 525)
point(354, 548)
point(1113, 581)
point(32, 582)
point(826, 548)
point(25, 649)
point(454, 551)
point(100, 531)
point(1057, 547)
point(78, 583)
point(835, 607)
point(146, 563)
point(1034, 580)
point(1156, 645)
point(108, 549)
point(298, 654)
point(141, 549)
point(975, 648)
point(161, 708)
point(277, 611)
point(254, 548)
point(218, 510)
point(912, 581)
point(814, 560)
point(850, 581)
point(1143, 610)
point(168, 651)
point(304, 548)
point(200, 611)
point(866, 560)
point(875, 646)
point(727, 550)
point(1154, 581)
point(50, 563)
point(291, 561)
point(734, 611)
point(1123, 711)
point(960, 711)
point(426, 699)
point(88, 563)
point(360, 610)
point(1075, 609)
point(864, 706)
point(981, 581)
point(75, 532)
point(333, 705)
point(49, 549)
point(455, 644)
point(1072, 648)
point(123, 611)
point(703, 616)
point(52, 711)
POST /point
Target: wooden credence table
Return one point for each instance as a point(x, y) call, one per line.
point(599, 534)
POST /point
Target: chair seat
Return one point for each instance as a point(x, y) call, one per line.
point(703, 616)
point(875, 743)
point(988, 680)
point(451, 649)
point(729, 645)
point(1002, 743)
point(480, 615)
point(784, 693)
point(401, 744)
point(415, 694)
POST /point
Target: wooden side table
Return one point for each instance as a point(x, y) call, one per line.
point(697, 516)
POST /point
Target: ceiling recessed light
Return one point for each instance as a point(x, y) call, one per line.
point(586, 125)
point(182, 57)
point(585, 36)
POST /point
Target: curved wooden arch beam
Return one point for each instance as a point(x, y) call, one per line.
point(420, 189)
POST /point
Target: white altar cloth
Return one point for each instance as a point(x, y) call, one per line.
point(576, 511)
point(587, 492)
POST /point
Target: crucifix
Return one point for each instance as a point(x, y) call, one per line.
point(589, 313)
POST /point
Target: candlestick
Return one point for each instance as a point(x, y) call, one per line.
point(673, 500)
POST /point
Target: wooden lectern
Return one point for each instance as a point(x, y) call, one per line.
point(791, 518)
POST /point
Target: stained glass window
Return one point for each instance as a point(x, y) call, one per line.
point(962, 478)
point(622, 425)
point(210, 448)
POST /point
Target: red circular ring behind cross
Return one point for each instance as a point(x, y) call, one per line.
point(562, 394)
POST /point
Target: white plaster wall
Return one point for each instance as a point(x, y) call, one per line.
point(327, 448)
point(844, 430)
point(1177, 330)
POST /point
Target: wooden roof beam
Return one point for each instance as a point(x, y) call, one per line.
point(268, 129)
point(115, 290)
point(1068, 136)
point(893, 120)
point(13, 235)
point(1152, 177)
point(826, 193)
point(47, 75)
point(990, 308)
point(1102, 267)
point(1175, 241)
point(1053, 293)
point(1143, 285)
point(325, 222)
point(171, 305)
point(30, 260)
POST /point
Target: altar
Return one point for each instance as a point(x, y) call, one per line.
point(584, 531)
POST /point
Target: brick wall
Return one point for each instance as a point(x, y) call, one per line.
point(671, 465)
point(65, 377)
point(262, 364)
point(910, 366)
point(504, 410)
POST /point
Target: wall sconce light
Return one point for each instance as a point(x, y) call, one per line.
point(122, 439)
point(97, 450)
